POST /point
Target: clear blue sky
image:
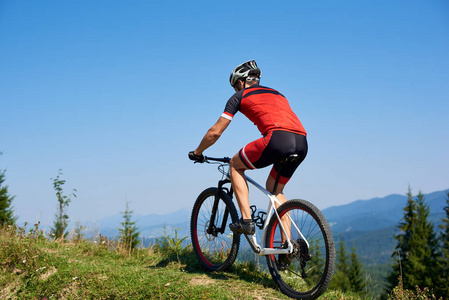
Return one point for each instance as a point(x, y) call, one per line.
point(116, 93)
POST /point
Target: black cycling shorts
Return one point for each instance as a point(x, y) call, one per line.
point(271, 149)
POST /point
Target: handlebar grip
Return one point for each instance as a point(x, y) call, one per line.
point(196, 158)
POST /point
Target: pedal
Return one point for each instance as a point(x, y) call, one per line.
point(261, 215)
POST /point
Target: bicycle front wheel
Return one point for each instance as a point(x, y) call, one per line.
point(305, 273)
point(215, 245)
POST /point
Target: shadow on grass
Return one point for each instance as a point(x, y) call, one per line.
point(188, 262)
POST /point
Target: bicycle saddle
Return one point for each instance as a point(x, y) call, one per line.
point(290, 158)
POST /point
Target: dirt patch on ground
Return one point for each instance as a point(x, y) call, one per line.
point(50, 271)
point(47, 250)
point(201, 280)
point(7, 291)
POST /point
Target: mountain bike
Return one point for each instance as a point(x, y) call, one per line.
point(298, 243)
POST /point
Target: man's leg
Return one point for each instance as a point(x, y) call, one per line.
point(279, 191)
point(281, 197)
point(240, 186)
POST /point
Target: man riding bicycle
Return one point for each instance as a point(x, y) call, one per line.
point(282, 135)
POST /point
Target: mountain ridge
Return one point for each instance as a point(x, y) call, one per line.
point(377, 213)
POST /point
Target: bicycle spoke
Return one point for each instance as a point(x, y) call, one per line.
point(291, 271)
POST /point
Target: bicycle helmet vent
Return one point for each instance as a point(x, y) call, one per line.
point(244, 70)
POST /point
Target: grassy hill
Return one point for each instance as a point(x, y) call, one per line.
point(34, 267)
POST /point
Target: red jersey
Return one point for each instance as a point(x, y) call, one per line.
point(266, 108)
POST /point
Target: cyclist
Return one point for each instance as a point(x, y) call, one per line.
point(282, 135)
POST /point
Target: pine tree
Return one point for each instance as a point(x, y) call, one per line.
point(403, 246)
point(443, 261)
point(129, 234)
point(6, 212)
point(341, 280)
point(355, 273)
point(62, 219)
point(417, 248)
point(426, 247)
point(78, 234)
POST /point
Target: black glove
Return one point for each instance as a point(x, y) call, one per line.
point(197, 158)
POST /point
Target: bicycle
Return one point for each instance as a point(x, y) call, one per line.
point(299, 246)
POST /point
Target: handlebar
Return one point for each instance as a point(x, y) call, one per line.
point(220, 159)
point(201, 158)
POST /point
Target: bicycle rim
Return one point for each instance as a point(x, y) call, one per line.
point(217, 250)
point(306, 273)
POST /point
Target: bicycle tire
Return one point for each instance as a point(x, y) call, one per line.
point(218, 251)
point(312, 279)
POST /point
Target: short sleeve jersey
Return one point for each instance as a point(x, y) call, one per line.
point(266, 108)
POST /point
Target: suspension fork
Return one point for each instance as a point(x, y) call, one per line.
point(212, 229)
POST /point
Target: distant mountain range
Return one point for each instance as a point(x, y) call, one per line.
point(368, 225)
point(377, 213)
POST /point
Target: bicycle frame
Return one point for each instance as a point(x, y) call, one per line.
point(252, 240)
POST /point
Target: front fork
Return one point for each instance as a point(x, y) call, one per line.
point(212, 229)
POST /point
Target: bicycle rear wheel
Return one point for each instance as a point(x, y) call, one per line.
point(305, 273)
point(215, 245)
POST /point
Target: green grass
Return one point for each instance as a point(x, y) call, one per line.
point(34, 267)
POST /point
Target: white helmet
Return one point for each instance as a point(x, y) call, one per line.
point(244, 70)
